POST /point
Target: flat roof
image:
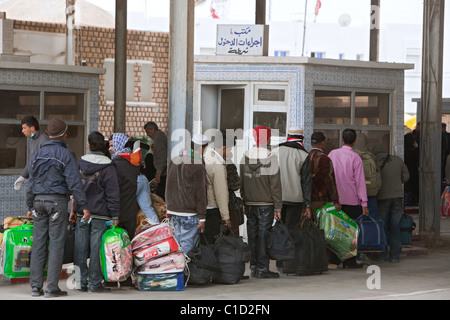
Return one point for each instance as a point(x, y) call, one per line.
point(217, 59)
point(51, 67)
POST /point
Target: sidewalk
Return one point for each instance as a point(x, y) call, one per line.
point(421, 274)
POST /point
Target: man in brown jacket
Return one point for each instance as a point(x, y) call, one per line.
point(261, 192)
point(186, 201)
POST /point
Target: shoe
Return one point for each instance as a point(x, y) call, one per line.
point(253, 271)
point(363, 260)
point(56, 294)
point(395, 260)
point(36, 292)
point(267, 274)
point(83, 289)
point(99, 289)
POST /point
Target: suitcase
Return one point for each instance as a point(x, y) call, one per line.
point(16, 251)
point(160, 282)
point(407, 226)
point(310, 250)
point(371, 237)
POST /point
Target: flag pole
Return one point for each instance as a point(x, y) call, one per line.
point(304, 29)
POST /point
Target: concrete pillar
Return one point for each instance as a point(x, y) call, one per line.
point(70, 23)
point(181, 73)
point(120, 67)
point(430, 126)
point(374, 29)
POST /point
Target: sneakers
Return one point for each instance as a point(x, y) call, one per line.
point(37, 292)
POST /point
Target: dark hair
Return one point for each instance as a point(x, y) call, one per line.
point(31, 122)
point(224, 139)
point(349, 136)
point(317, 137)
point(150, 125)
point(96, 141)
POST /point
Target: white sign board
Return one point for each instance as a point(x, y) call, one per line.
point(246, 40)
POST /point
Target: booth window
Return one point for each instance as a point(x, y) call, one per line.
point(363, 110)
point(44, 105)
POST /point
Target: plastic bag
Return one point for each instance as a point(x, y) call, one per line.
point(155, 250)
point(115, 255)
point(16, 251)
point(341, 232)
point(170, 263)
point(160, 282)
point(150, 234)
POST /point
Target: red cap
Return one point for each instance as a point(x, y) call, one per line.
point(261, 135)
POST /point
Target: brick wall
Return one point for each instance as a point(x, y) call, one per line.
point(94, 45)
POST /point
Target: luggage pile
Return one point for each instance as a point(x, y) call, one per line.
point(158, 259)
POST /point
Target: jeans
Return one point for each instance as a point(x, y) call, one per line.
point(391, 211)
point(144, 200)
point(372, 205)
point(88, 240)
point(259, 221)
point(185, 231)
point(49, 232)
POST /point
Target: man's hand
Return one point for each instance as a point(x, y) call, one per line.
point(86, 215)
point(277, 215)
point(201, 226)
point(338, 206)
point(308, 213)
point(73, 217)
point(158, 178)
point(365, 211)
point(227, 223)
point(29, 215)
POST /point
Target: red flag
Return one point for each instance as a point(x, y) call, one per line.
point(213, 13)
point(318, 6)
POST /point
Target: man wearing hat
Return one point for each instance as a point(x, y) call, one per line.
point(295, 169)
point(261, 192)
point(54, 176)
point(186, 202)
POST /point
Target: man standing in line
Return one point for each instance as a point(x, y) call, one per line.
point(324, 188)
point(350, 180)
point(54, 176)
point(159, 156)
point(35, 139)
point(101, 185)
point(261, 192)
point(217, 190)
point(295, 170)
point(187, 201)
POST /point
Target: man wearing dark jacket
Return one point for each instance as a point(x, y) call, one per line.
point(54, 176)
point(128, 168)
point(99, 176)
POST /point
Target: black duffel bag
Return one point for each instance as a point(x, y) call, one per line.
point(310, 250)
point(202, 263)
point(231, 253)
point(280, 244)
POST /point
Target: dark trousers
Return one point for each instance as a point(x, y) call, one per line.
point(291, 214)
point(49, 226)
point(259, 221)
point(353, 212)
point(212, 225)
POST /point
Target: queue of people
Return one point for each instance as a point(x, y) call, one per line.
point(199, 187)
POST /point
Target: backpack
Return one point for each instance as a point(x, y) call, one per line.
point(371, 172)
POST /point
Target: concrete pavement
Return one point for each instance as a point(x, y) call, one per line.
point(421, 274)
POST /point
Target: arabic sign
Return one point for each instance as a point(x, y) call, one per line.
point(248, 40)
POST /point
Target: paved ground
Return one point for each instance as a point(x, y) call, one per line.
point(421, 274)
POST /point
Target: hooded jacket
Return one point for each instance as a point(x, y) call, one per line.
point(260, 179)
point(99, 176)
